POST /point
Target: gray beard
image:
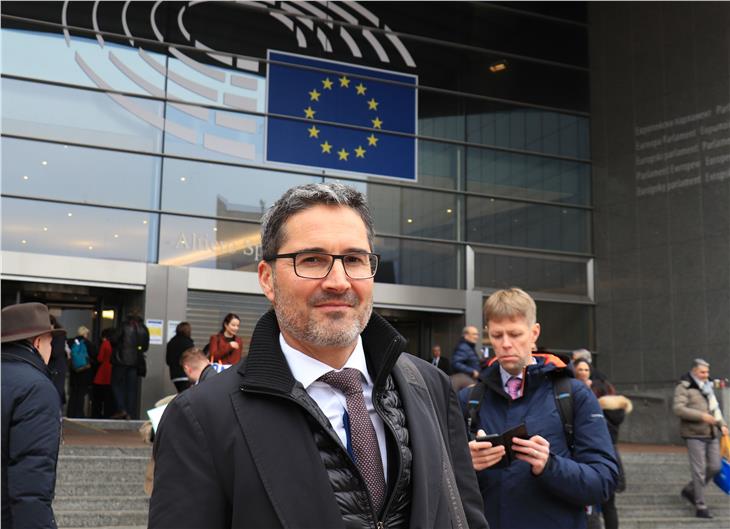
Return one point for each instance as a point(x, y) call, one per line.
point(331, 334)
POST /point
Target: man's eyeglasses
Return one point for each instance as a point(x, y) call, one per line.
point(317, 265)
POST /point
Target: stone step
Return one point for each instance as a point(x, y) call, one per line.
point(669, 511)
point(100, 519)
point(684, 522)
point(84, 462)
point(101, 476)
point(101, 503)
point(110, 488)
point(104, 451)
point(634, 499)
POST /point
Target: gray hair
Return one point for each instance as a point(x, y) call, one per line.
point(699, 362)
point(584, 354)
point(303, 197)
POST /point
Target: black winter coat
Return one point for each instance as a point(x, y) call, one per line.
point(247, 444)
point(31, 433)
point(175, 348)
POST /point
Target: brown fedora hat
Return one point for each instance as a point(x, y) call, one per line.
point(26, 320)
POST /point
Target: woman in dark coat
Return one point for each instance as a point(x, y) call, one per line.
point(58, 364)
point(180, 343)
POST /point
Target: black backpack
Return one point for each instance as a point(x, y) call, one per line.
point(563, 401)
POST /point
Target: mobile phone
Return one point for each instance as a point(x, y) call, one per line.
point(492, 437)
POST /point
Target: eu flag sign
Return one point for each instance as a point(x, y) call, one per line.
point(331, 99)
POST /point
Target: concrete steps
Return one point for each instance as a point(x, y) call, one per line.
point(100, 486)
point(652, 500)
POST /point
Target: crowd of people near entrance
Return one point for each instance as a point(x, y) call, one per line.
point(325, 422)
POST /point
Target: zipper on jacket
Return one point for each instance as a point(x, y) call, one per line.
point(333, 435)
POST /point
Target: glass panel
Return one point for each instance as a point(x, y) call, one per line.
point(203, 243)
point(440, 164)
point(409, 211)
point(80, 116)
point(78, 231)
point(527, 176)
point(45, 56)
point(225, 191)
point(48, 170)
point(417, 263)
point(532, 273)
point(509, 223)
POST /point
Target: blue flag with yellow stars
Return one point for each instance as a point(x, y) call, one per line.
point(348, 115)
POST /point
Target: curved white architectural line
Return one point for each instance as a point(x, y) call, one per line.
point(347, 17)
point(324, 41)
point(95, 23)
point(197, 88)
point(376, 45)
point(354, 48)
point(301, 40)
point(400, 47)
point(364, 12)
point(247, 151)
point(64, 21)
point(181, 24)
point(317, 12)
point(207, 71)
point(225, 59)
point(124, 23)
point(291, 9)
point(184, 133)
point(153, 23)
point(284, 20)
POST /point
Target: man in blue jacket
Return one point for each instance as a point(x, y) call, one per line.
point(31, 418)
point(556, 480)
point(465, 360)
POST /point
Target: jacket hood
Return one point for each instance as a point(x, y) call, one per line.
point(616, 402)
point(687, 377)
point(547, 365)
point(548, 361)
point(266, 367)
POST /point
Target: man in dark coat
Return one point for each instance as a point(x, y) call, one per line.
point(31, 418)
point(128, 348)
point(550, 478)
point(179, 343)
point(440, 361)
point(274, 441)
point(465, 360)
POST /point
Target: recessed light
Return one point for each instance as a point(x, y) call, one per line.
point(182, 178)
point(144, 221)
point(23, 241)
point(116, 235)
point(91, 247)
point(44, 162)
point(45, 228)
point(69, 214)
point(410, 221)
point(215, 229)
point(26, 177)
point(449, 210)
point(65, 146)
point(498, 66)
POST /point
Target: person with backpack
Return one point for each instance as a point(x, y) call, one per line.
point(130, 342)
point(82, 366)
point(560, 457)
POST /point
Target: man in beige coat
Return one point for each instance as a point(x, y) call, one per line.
point(701, 424)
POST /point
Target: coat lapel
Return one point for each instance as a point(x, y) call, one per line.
point(425, 446)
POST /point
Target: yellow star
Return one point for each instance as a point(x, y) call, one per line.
point(359, 152)
point(376, 123)
point(343, 154)
point(344, 82)
point(309, 113)
point(314, 95)
point(327, 83)
point(360, 89)
point(372, 140)
point(326, 147)
point(372, 104)
point(313, 132)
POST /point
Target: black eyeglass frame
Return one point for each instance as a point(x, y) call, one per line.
point(341, 257)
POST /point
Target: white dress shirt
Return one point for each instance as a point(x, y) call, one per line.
point(332, 401)
point(506, 376)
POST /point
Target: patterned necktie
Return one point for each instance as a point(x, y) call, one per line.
point(513, 387)
point(362, 433)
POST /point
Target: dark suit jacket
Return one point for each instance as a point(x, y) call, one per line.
point(244, 444)
point(444, 364)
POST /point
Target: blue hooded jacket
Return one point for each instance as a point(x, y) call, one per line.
point(513, 497)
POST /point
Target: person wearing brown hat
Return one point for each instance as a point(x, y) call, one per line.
point(31, 417)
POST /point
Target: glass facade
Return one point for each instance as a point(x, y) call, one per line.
point(151, 132)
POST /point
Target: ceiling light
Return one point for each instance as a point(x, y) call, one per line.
point(44, 162)
point(498, 66)
point(215, 229)
point(91, 247)
point(25, 177)
point(144, 221)
point(45, 228)
point(449, 210)
point(182, 178)
point(410, 221)
point(69, 214)
point(116, 235)
point(107, 314)
point(23, 241)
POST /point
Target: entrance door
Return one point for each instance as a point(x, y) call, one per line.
point(423, 330)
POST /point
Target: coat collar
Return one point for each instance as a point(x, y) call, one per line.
point(266, 368)
point(24, 352)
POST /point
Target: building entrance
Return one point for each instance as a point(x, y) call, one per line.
point(423, 330)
